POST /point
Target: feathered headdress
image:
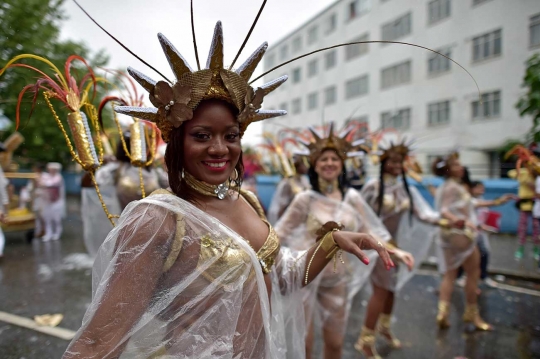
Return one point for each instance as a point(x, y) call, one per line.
point(337, 142)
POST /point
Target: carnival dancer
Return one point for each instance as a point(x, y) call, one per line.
point(54, 201)
point(197, 271)
point(410, 221)
point(526, 176)
point(327, 301)
point(457, 247)
point(290, 185)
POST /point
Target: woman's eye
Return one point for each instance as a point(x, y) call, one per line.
point(201, 136)
point(232, 136)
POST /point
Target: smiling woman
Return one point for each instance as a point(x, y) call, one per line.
point(197, 271)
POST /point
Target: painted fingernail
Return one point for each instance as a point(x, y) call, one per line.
point(366, 260)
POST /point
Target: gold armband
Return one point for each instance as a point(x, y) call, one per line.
point(498, 201)
point(443, 222)
point(391, 245)
point(327, 243)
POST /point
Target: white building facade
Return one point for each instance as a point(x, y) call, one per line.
point(411, 89)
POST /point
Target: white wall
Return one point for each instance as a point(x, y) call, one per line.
point(502, 73)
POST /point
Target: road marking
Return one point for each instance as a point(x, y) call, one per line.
point(502, 286)
point(58, 332)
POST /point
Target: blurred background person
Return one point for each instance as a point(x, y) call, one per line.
point(4, 202)
point(54, 201)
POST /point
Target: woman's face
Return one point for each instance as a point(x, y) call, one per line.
point(329, 166)
point(455, 169)
point(394, 164)
point(211, 143)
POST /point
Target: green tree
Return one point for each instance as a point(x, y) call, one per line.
point(529, 103)
point(33, 26)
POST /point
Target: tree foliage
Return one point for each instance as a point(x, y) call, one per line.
point(33, 26)
point(529, 103)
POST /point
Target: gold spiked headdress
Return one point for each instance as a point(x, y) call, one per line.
point(339, 143)
point(175, 104)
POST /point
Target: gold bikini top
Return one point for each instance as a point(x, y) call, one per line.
point(228, 259)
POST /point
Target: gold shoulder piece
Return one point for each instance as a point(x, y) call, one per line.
point(176, 245)
point(161, 191)
point(254, 202)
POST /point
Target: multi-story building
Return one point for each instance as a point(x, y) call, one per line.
point(411, 89)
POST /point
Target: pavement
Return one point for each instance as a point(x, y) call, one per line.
point(55, 277)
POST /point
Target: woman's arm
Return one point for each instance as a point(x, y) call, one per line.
point(121, 299)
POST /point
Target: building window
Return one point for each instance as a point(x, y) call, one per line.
point(313, 67)
point(534, 30)
point(489, 108)
point(487, 45)
point(284, 52)
point(357, 8)
point(398, 28)
point(330, 59)
point(270, 60)
point(296, 44)
point(357, 87)
point(296, 106)
point(438, 10)
point(399, 120)
point(478, 2)
point(354, 51)
point(396, 75)
point(284, 106)
point(296, 75)
point(331, 24)
point(312, 100)
point(312, 34)
point(438, 113)
point(437, 63)
point(330, 95)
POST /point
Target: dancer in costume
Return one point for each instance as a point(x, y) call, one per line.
point(197, 271)
point(54, 201)
point(327, 301)
point(457, 247)
point(526, 177)
point(410, 221)
point(4, 202)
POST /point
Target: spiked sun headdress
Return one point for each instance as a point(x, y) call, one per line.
point(344, 148)
point(175, 104)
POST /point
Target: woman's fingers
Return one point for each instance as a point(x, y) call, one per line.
point(360, 254)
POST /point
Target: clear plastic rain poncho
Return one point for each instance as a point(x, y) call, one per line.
point(328, 298)
point(119, 184)
point(412, 234)
point(171, 281)
point(455, 245)
point(284, 194)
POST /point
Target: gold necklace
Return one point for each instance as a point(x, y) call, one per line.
point(220, 191)
point(328, 187)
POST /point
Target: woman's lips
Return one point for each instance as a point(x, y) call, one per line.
point(217, 166)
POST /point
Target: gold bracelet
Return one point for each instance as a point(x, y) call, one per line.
point(443, 222)
point(328, 244)
point(498, 201)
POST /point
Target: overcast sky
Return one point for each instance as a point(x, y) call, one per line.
point(137, 22)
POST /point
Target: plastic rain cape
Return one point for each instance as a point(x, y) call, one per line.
point(455, 245)
point(283, 196)
point(328, 298)
point(413, 234)
point(119, 184)
point(171, 281)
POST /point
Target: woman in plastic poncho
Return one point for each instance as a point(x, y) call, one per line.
point(457, 247)
point(196, 271)
point(327, 300)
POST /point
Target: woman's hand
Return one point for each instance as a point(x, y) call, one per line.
point(405, 257)
point(356, 243)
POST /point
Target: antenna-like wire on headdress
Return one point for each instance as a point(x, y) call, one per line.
point(119, 43)
point(248, 34)
point(366, 42)
point(194, 38)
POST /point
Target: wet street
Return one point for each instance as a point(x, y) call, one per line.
point(55, 277)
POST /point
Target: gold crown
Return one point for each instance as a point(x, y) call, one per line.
point(339, 143)
point(175, 104)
